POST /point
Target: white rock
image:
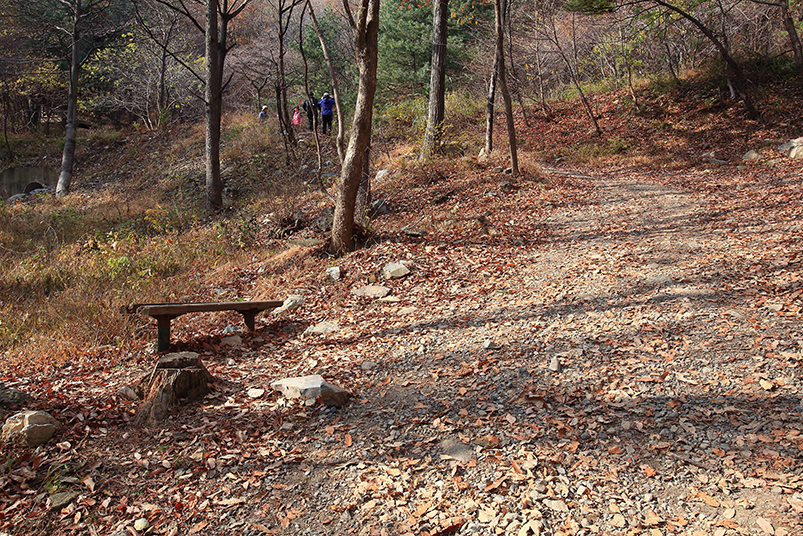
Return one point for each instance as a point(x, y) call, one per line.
point(291, 303)
point(256, 393)
point(322, 328)
point(554, 365)
point(141, 524)
point(371, 291)
point(395, 270)
point(333, 272)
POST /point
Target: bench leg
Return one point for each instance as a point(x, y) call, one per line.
point(163, 333)
point(248, 317)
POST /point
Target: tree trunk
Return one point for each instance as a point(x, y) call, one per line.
point(341, 127)
point(366, 52)
point(794, 38)
point(489, 108)
point(500, 53)
point(214, 109)
point(176, 377)
point(68, 155)
point(437, 80)
point(364, 191)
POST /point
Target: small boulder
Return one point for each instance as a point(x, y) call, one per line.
point(29, 428)
point(395, 270)
point(751, 155)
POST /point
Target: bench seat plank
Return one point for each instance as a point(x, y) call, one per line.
point(165, 312)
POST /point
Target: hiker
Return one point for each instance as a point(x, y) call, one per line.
point(263, 113)
point(326, 104)
point(311, 107)
point(298, 119)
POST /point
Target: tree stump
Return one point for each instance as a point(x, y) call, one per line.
point(175, 378)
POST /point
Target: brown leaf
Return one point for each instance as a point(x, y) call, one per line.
point(198, 527)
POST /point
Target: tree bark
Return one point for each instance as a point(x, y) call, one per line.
point(489, 108)
point(214, 108)
point(176, 377)
point(500, 53)
point(366, 32)
point(437, 80)
point(70, 127)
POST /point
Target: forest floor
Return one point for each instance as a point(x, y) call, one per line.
point(607, 349)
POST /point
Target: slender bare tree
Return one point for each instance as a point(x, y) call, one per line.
point(366, 29)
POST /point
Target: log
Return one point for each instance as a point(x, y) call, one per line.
point(176, 378)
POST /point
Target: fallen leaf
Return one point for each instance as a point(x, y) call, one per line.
point(765, 525)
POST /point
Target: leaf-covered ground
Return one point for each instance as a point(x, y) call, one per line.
point(608, 349)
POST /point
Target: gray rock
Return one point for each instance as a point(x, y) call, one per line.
point(488, 344)
point(62, 500)
point(234, 340)
point(751, 155)
point(12, 397)
point(29, 428)
point(333, 272)
point(299, 386)
point(127, 392)
point(17, 197)
point(796, 153)
point(395, 270)
point(371, 291)
point(380, 207)
point(291, 303)
point(322, 328)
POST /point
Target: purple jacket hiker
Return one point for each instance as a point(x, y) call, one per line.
point(326, 104)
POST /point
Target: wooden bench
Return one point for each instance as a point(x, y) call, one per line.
point(165, 312)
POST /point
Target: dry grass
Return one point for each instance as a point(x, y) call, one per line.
point(134, 236)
